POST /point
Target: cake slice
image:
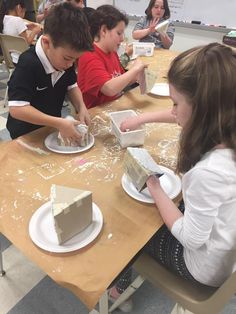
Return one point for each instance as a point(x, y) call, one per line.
point(71, 211)
point(139, 165)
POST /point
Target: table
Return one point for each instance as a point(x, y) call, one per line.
point(29, 169)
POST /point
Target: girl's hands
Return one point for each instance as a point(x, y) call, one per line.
point(153, 24)
point(130, 124)
point(153, 184)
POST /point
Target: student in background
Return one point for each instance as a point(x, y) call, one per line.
point(12, 13)
point(101, 77)
point(144, 31)
point(198, 239)
point(45, 73)
point(45, 5)
point(44, 8)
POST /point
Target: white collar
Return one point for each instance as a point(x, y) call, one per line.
point(49, 69)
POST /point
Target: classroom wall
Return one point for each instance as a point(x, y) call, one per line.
point(186, 38)
point(97, 3)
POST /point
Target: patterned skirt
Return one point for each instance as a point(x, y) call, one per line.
point(165, 249)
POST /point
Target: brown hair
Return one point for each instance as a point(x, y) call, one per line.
point(207, 77)
point(105, 15)
point(68, 26)
point(148, 11)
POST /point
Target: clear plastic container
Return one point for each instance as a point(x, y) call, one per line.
point(143, 49)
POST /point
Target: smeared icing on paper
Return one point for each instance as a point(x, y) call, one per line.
point(31, 148)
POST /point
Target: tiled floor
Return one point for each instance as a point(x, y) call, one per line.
point(25, 289)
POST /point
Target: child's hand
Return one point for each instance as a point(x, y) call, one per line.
point(68, 131)
point(45, 12)
point(30, 26)
point(130, 124)
point(153, 184)
point(34, 26)
point(37, 29)
point(138, 66)
point(153, 24)
point(83, 115)
point(129, 50)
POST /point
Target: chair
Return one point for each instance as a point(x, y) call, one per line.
point(196, 298)
point(2, 272)
point(11, 44)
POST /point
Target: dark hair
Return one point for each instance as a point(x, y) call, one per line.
point(6, 6)
point(106, 15)
point(148, 11)
point(77, 1)
point(206, 77)
point(68, 26)
point(88, 12)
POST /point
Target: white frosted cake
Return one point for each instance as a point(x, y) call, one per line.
point(139, 165)
point(71, 210)
point(82, 129)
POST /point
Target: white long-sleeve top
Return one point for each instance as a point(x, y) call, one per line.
point(207, 230)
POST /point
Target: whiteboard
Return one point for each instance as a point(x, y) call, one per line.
point(208, 12)
point(96, 3)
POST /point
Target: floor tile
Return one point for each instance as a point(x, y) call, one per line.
point(17, 282)
point(3, 122)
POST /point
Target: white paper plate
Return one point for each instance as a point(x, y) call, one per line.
point(160, 89)
point(170, 183)
point(52, 144)
point(43, 234)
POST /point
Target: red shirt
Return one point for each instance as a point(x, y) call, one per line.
point(95, 68)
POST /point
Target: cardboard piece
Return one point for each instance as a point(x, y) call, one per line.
point(139, 165)
point(71, 210)
point(146, 81)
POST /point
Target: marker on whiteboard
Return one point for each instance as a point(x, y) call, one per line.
point(196, 22)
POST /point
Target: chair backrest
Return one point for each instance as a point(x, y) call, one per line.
point(11, 44)
point(197, 298)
